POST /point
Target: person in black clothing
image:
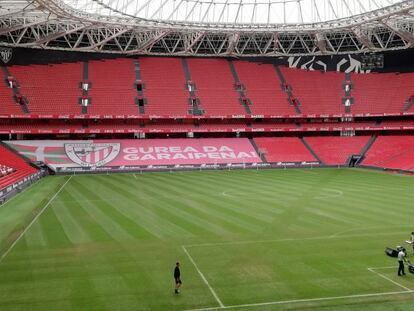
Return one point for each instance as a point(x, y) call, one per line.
point(177, 277)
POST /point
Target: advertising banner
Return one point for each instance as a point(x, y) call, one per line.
point(94, 154)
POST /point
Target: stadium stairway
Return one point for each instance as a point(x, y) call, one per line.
point(409, 103)
point(337, 150)
point(50, 89)
point(347, 93)
point(113, 91)
point(319, 92)
point(392, 152)
point(140, 99)
point(311, 150)
point(381, 92)
point(16, 92)
point(364, 150)
point(164, 86)
point(85, 79)
point(261, 154)
point(193, 100)
point(292, 101)
point(262, 88)
point(215, 86)
point(244, 101)
point(284, 149)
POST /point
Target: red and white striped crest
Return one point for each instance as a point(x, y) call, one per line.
point(92, 154)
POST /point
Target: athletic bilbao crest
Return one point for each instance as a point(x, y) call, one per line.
point(5, 54)
point(92, 154)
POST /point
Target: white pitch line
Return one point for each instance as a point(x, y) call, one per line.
point(388, 279)
point(380, 268)
point(34, 220)
point(303, 300)
point(370, 227)
point(135, 176)
point(204, 278)
point(324, 237)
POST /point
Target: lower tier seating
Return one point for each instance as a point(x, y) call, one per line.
point(5, 170)
point(395, 152)
point(336, 150)
point(15, 167)
point(283, 149)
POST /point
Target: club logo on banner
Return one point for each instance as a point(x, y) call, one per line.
point(6, 54)
point(91, 154)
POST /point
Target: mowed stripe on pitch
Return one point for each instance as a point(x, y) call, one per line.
point(110, 241)
point(149, 212)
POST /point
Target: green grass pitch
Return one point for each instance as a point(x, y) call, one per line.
point(247, 240)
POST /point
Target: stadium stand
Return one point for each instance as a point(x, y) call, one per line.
point(263, 88)
point(14, 166)
point(381, 93)
point(50, 89)
point(7, 103)
point(215, 86)
point(336, 150)
point(164, 86)
point(55, 89)
point(318, 92)
point(283, 149)
point(113, 90)
point(394, 152)
point(5, 170)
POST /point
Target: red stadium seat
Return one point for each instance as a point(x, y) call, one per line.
point(20, 167)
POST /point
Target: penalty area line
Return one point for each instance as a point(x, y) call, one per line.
point(204, 279)
point(388, 279)
point(33, 220)
point(281, 302)
point(323, 237)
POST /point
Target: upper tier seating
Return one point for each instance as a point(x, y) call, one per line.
point(164, 86)
point(20, 168)
point(263, 88)
point(7, 103)
point(396, 152)
point(318, 92)
point(215, 86)
point(336, 150)
point(381, 93)
point(283, 149)
point(50, 89)
point(113, 90)
point(54, 89)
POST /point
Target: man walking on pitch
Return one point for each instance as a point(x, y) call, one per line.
point(177, 277)
point(401, 260)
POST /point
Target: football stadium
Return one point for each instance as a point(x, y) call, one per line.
point(206, 155)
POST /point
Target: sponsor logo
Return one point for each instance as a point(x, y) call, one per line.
point(92, 154)
point(6, 54)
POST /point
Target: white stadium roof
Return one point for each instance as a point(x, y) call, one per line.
point(209, 27)
point(233, 11)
